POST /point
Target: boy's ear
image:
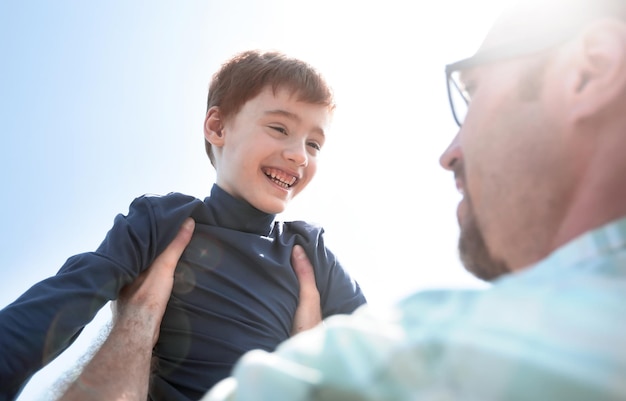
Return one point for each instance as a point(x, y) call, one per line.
point(213, 126)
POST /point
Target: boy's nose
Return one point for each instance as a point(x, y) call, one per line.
point(297, 154)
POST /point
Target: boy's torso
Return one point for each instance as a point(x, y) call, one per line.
point(236, 291)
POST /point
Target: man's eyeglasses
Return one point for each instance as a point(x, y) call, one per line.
point(457, 94)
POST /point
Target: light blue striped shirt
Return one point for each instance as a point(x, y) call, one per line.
point(556, 331)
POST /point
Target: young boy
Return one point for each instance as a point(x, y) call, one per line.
point(235, 289)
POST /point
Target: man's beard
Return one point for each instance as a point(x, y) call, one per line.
point(473, 250)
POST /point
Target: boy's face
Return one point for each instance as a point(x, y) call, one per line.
point(267, 152)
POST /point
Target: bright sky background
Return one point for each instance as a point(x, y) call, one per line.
point(103, 101)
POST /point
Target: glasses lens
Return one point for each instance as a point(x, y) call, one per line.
point(459, 99)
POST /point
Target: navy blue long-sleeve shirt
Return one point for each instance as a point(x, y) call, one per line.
point(234, 291)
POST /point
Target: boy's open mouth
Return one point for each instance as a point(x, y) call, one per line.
point(280, 177)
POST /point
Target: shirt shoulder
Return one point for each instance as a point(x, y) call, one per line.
point(169, 199)
point(173, 206)
point(307, 228)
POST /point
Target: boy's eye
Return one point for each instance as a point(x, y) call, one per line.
point(315, 146)
point(279, 129)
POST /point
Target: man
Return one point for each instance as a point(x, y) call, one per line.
point(539, 159)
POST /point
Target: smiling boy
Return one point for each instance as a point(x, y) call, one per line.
point(267, 152)
point(235, 289)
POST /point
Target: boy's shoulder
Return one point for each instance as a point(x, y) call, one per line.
point(169, 195)
point(169, 199)
point(174, 205)
point(302, 227)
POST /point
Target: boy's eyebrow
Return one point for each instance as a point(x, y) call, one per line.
point(291, 116)
point(284, 113)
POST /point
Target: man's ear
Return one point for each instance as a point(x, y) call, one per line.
point(598, 77)
point(214, 127)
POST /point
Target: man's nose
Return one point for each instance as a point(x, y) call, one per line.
point(452, 154)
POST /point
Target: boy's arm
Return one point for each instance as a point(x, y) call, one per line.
point(340, 293)
point(120, 370)
point(49, 316)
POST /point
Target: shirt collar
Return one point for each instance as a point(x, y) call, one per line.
point(236, 214)
point(592, 245)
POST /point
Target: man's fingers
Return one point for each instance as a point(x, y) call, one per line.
point(158, 275)
point(146, 298)
point(309, 312)
point(303, 268)
point(171, 254)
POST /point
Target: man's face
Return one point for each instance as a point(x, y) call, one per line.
point(271, 149)
point(506, 161)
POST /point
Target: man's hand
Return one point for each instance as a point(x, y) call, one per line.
point(308, 313)
point(147, 297)
point(120, 370)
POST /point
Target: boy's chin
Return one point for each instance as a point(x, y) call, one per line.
point(272, 207)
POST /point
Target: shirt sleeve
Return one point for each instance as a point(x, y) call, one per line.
point(342, 359)
point(48, 317)
point(446, 345)
point(339, 292)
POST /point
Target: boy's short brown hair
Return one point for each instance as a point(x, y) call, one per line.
point(246, 74)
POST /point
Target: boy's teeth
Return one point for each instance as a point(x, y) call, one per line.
point(277, 178)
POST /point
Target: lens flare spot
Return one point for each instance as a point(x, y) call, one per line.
point(204, 253)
